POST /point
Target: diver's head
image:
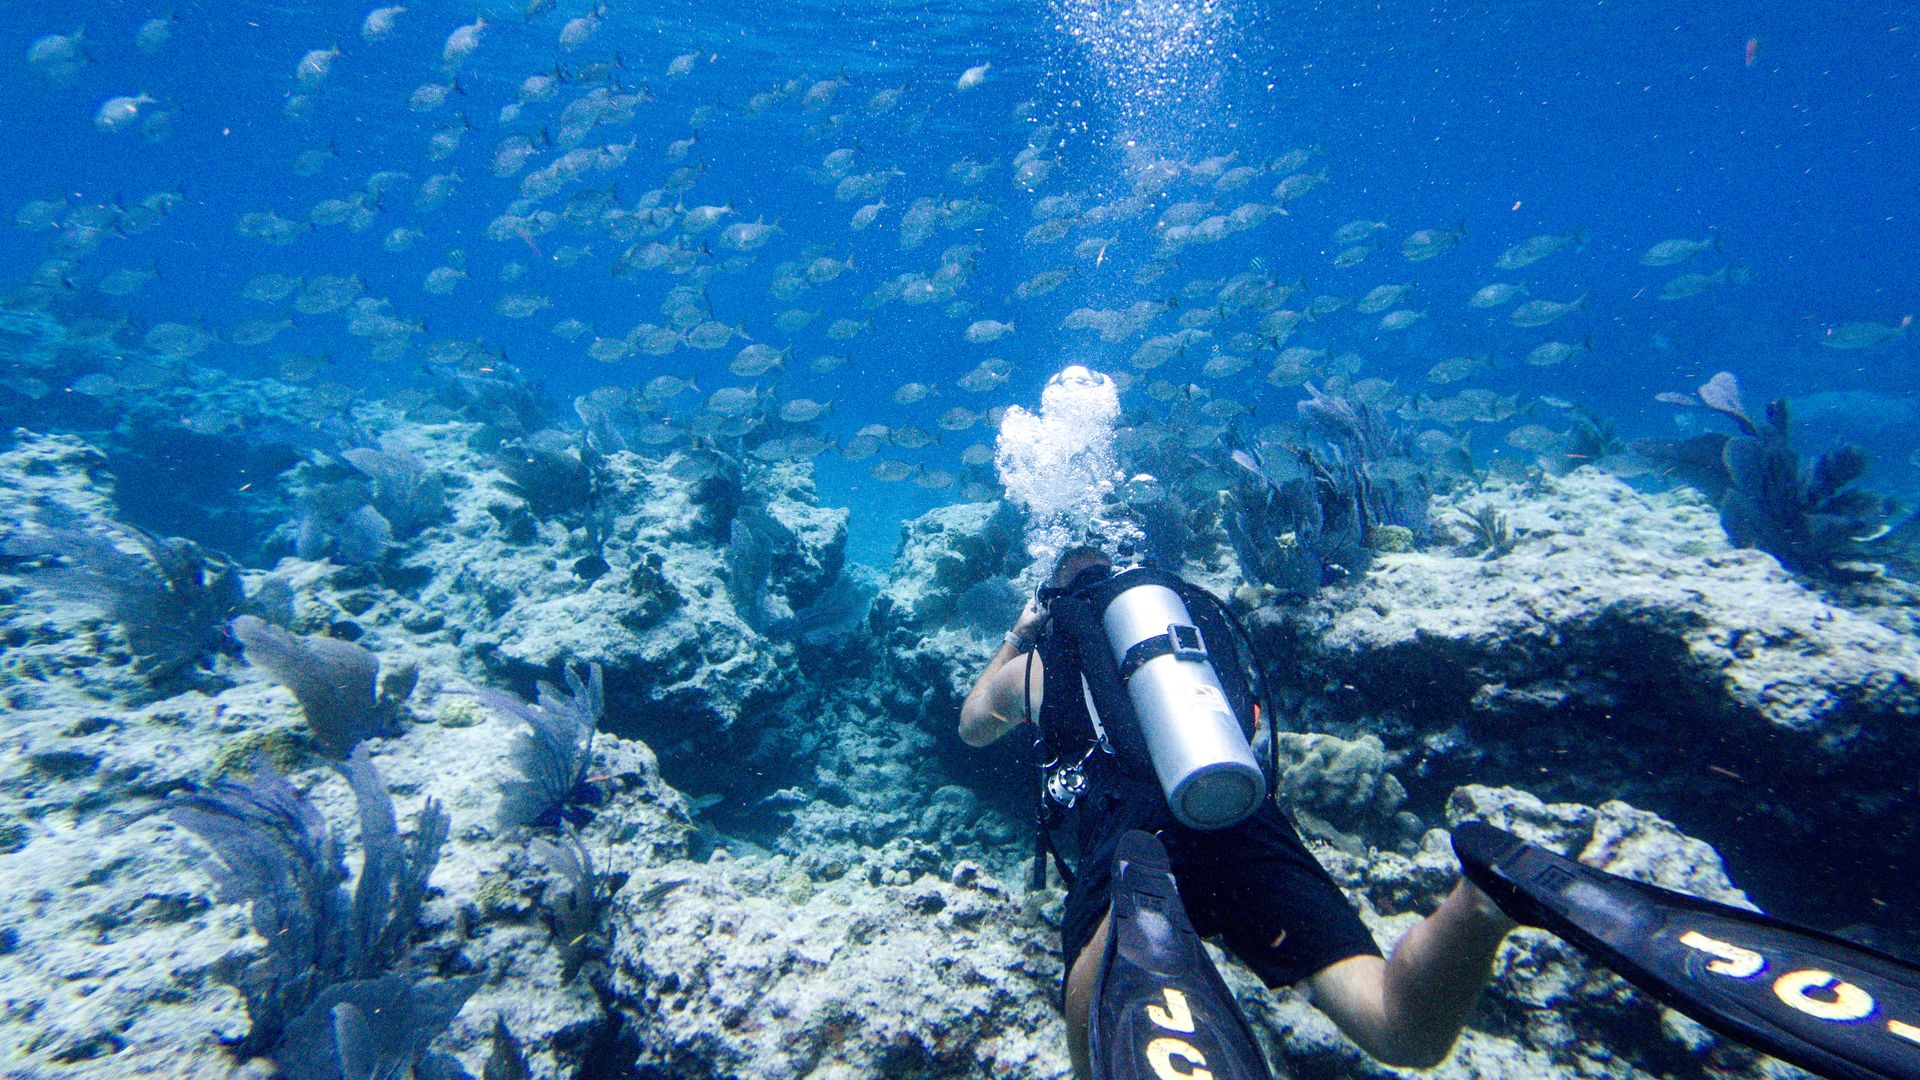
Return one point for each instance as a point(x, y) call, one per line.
point(1075, 561)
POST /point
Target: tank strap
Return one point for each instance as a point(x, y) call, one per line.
point(1100, 740)
point(1046, 814)
point(1079, 620)
point(1156, 647)
point(1026, 689)
point(1196, 599)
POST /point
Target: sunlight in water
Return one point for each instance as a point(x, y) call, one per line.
point(1158, 61)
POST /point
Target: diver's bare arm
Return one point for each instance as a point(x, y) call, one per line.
point(1408, 1010)
point(986, 715)
point(996, 704)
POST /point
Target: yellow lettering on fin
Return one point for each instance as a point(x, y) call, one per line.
point(1177, 1016)
point(1905, 1031)
point(1160, 1055)
point(1734, 961)
point(1849, 1002)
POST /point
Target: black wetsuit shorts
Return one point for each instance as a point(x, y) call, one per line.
point(1254, 884)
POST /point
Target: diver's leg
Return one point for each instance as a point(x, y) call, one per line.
point(1408, 1010)
point(1079, 1002)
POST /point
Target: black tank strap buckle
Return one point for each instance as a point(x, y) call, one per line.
point(1182, 640)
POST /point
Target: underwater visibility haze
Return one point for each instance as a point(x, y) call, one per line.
point(502, 503)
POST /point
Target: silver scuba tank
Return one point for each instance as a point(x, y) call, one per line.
point(1199, 752)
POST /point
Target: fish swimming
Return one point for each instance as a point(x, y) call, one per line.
point(1428, 243)
point(1864, 335)
point(1669, 252)
point(985, 331)
point(1495, 295)
point(462, 41)
point(1530, 251)
point(117, 113)
point(379, 22)
point(315, 66)
point(1541, 312)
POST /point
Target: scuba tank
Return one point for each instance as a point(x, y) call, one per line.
point(1154, 691)
point(1199, 752)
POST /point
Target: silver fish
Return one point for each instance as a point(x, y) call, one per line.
point(804, 410)
point(1530, 251)
point(1427, 243)
point(1669, 252)
point(1381, 298)
point(1864, 335)
point(1496, 295)
point(1555, 352)
point(1542, 312)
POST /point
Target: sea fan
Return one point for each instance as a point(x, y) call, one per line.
point(553, 752)
point(1809, 516)
point(329, 955)
point(549, 471)
point(333, 680)
point(577, 900)
point(406, 494)
point(172, 599)
point(749, 562)
point(1305, 513)
point(614, 417)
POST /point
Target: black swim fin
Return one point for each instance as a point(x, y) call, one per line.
point(1159, 1007)
point(1803, 996)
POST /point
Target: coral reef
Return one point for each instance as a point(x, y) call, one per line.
point(636, 590)
point(1616, 620)
point(826, 896)
point(951, 975)
point(947, 601)
point(1339, 789)
point(1809, 516)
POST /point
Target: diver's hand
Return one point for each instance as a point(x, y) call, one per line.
point(1027, 626)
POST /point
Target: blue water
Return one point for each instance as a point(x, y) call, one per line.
point(1788, 130)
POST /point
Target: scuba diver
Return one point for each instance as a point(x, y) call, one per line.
point(1145, 702)
point(1103, 658)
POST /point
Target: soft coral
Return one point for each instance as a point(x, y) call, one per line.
point(1809, 516)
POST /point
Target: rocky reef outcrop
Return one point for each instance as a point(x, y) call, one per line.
point(760, 969)
point(634, 579)
point(946, 601)
point(1623, 649)
point(811, 878)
